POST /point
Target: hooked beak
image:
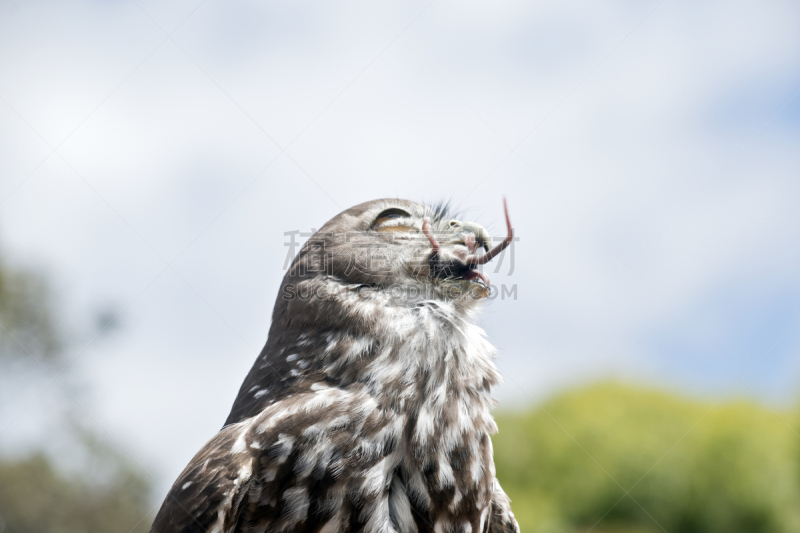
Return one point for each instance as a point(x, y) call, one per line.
point(481, 238)
point(472, 236)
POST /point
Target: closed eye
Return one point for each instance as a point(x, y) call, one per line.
point(391, 220)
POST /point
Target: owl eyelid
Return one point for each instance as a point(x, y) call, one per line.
point(391, 214)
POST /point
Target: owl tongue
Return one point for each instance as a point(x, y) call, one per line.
point(474, 274)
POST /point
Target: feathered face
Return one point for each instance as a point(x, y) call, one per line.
point(411, 250)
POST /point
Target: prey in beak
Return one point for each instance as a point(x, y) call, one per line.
point(461, 260)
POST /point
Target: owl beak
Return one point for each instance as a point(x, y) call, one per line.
point(481, 237)
point(471, 234)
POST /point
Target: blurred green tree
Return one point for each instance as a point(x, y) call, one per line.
point(612, 457)
point(104, 494)
point(27, 325)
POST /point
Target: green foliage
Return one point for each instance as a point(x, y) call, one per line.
point(26, 316)
point(104, 493)
point(35, 498)
point(627, 459)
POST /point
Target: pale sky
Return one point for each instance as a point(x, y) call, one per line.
point(648, 152)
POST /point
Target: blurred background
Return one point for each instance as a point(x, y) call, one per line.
point(154, 156)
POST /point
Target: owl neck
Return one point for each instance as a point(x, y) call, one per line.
point(428, 360)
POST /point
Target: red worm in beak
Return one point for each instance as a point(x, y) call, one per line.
point(475, 260)
point(426, 229)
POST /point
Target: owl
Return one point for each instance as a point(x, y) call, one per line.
point(368, 410)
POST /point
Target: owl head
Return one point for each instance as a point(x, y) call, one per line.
point(412, 251)
point(363, 285)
